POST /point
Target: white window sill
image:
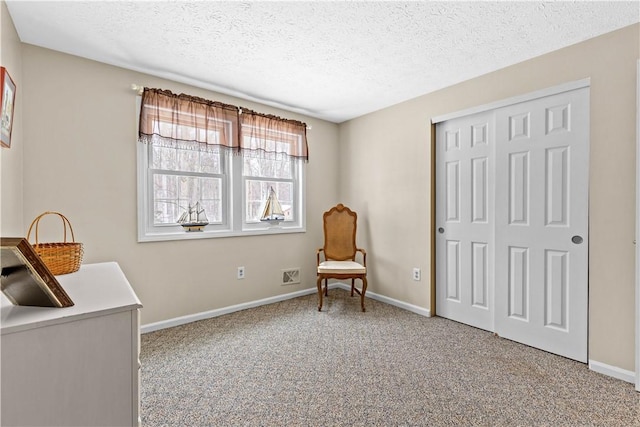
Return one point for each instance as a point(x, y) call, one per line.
point(189, 235)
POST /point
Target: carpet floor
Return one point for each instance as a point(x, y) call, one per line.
point(286, 364)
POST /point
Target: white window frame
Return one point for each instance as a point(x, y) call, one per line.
point(298, 194)
point(233, 203)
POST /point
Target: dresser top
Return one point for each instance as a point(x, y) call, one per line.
point(96, 290)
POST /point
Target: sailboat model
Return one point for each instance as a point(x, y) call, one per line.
point(194, 218)
point(272, 213)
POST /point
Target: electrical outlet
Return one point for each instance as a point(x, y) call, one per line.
point(240, 272)
point(416, 274)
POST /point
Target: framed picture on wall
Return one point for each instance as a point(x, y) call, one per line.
point(7, 102)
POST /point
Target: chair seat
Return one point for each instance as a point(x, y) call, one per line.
point(341, 267)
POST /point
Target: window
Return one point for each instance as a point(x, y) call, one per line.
point(179, 177)
point(226, 160)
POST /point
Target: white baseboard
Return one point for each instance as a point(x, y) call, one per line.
point(612, 371)
point(406, 306)
point(177, 321)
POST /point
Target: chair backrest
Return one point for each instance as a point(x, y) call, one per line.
point(340, 233)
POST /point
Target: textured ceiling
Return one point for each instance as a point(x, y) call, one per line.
point(331, 60)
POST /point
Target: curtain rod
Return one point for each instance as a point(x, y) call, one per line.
point(139, 89)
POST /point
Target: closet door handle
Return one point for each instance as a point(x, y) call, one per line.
point(577, 239)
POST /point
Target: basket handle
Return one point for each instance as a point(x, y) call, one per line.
point(65, 222)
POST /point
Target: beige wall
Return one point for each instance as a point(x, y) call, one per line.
point(80, 159)
point(75, 123)
point(11, 217)
point(386, 175)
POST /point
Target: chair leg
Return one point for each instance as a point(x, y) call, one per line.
point(353, 284)
point(326, 287)
point(364, 289)
point(319, 293)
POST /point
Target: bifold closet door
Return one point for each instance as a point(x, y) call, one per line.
point(541, 228)
point(464, 214)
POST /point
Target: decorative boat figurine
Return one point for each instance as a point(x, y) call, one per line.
point(194, 218)
point(272, 213)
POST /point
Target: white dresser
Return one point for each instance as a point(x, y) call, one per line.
point(74, 366)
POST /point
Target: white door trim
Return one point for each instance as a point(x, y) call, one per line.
point(554, 90)
point(637, 228)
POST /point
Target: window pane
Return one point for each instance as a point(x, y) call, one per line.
point(172, 195)
point(256, 196)
point(265, 168)
point(165, 210)
point(190, 158)
point(164, 158)
point(210, 162)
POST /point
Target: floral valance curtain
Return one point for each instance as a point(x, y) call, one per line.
point(185, 121)
point(268, 136)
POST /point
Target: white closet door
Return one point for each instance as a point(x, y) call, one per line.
point(512, 221)
point(464, 239)
point(541, 223)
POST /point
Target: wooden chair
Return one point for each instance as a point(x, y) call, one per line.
point(339, 252)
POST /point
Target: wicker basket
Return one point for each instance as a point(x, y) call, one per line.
point(60, 258)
